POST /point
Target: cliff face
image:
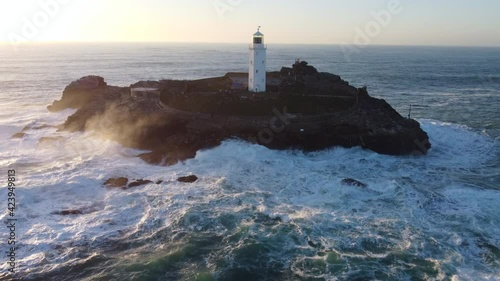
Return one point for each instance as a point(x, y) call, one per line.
point(80, 93)
point(307, 110)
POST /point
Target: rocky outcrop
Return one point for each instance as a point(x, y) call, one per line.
point(124, 184)
point(188, 179)
point(120, 182)
point(79, 93)
point(306, 109)
point(22, 133)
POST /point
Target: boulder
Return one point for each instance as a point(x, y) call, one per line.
point(188, 179)
point(116, 182)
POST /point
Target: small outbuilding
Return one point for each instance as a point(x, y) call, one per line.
point(145, 92)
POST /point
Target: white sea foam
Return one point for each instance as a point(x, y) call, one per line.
point(414, 200)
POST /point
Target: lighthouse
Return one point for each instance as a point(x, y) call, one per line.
point(257, 72)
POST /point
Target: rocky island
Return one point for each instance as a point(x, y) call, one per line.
point(301, 109)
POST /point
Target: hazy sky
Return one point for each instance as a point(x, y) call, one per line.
point(404, 22)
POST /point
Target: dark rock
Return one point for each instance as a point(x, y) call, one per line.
point(353, 182)
point(159, 182)
point(68, 212)
point(116, 182)
point(303, 68)
point(163, 158)
point(312, 244)
point(79, 93)
point(19, 135)
point(266, 219)
point(22, 133)
point(188, 179)
point(179, 147)
point(139, 183)
point(79, 211)
point(308, 110)
point(45, 126)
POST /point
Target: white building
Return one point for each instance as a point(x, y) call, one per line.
point(257, 72)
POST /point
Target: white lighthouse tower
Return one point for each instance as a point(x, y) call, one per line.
point(257, 72)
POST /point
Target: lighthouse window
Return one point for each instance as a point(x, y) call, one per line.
point(257, 71)
point(257, 40)
point(251, 62)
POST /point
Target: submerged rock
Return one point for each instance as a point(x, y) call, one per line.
point(139, 183)
point(312, 244)
point(68, 212)
point(79, 211)
point(22, 133)
point(19, 135)
point(266, 219)
point(40, 127)
point(188, 179)
point(44, 140)
point(353, 182)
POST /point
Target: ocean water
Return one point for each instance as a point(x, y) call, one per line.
point(255, 213)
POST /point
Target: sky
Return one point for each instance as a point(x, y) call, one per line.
point(367, 22)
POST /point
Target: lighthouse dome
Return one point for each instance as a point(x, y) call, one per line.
point(258, 34)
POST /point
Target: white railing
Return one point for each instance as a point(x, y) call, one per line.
point(257, 46)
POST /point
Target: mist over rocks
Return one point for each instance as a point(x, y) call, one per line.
point(303, 109)
point(18, 135)
point(79, 93)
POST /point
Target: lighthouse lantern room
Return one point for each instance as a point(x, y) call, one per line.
point(257, 71)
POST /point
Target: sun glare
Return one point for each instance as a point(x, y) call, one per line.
point(17, 7)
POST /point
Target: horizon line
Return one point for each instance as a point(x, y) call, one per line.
point(238, 43)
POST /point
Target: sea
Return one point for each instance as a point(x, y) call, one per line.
point(254, 213)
